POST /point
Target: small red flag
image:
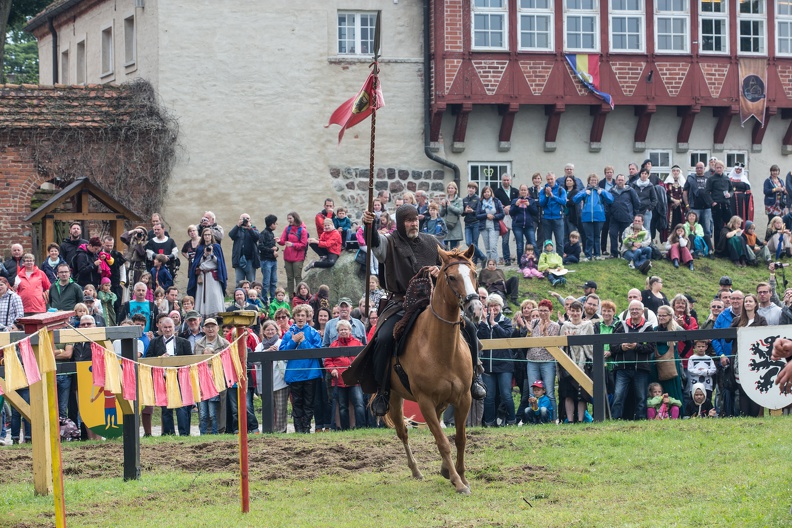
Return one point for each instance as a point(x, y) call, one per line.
point(358, 108)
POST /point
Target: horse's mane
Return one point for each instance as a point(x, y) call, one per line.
point(457, 254)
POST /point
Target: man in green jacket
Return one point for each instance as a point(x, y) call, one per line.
point(65, 293)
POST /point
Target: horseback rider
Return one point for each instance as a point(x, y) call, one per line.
point(403, 253)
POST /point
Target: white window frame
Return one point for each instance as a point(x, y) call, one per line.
point(714, 16)
point(491, 12)
point(759, 18)
point(701, 155)
point(783, 19)
point(107, 52)
point(357, 45)
point(64, 66)
point(593, 13)
point(733, 156)
point(130, 41)
point(663, 171)
point(536, 13)
point(627, 14)
point(80, 71)
point(493, 180)
point(672, 15)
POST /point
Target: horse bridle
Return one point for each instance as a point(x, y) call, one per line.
point(462, 299)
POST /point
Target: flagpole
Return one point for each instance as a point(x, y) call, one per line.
point(374, 104)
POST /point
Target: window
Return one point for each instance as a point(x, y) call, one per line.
point(714, 26)
point(672, 21)
point(696, 156)
point(751, 27)
point(536, 25)
point(487, 173)
point(661, 163)
point(80, 72)
point(736, 156)
point(581, 25)
point(784, 27)
point(107, 51)
point(64, 67)
point(129, 41)
point(356, 33)
point(489, 20)
point(627, 22)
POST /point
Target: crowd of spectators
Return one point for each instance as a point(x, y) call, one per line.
point(636, 216)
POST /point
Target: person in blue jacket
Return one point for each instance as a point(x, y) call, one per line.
point(552, 200)
point(523, 210)
point(301, 374)
point(725, 358)
point(592, 215)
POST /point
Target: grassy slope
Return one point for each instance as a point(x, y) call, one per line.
point(614, 278)
point(683, 473)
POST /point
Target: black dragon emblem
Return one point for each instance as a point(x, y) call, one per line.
point(767, 368)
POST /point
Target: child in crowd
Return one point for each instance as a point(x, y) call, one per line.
point(303, 295)
point(572, 249)
point(160, 275)
point(540, 410)
point(145, 278)
point(327, 246)
point(90, 290)
point(434, 225)
point(343, 225)
point(701, 406)
point(253, 299)
point(279, 302)
point(108, 300)
point(160, 301)
point(660, 406)
point(551, 264)
point(528, 263)
point(701, 368)
point(302, 374)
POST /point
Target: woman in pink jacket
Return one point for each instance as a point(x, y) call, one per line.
point(295, 239)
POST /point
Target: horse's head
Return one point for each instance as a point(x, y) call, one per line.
point(459, 274)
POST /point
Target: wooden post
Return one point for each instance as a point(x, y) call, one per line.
point(131, 421)
point(55, 444)
point(41, 435)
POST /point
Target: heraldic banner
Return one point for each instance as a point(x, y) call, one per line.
point(753, 89)
point(757, 369)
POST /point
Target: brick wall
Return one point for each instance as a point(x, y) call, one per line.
point(453, 25)
point(19, 179)
point(673, 75)
point(714, 74)
point(628, 74)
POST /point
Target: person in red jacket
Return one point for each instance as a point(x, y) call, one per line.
point(327, 246)
point(324, 214)
point(295, 239)
point(343, 394)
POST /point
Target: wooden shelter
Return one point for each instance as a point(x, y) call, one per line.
point(80, 191)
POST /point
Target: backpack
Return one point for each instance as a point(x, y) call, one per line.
point(69, 431)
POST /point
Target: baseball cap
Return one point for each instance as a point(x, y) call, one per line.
point(210, 321)
point(192, 314)
point(725, 281)
point(590, 284)
point(538, 383)
point(345, 300)
point(88, 298)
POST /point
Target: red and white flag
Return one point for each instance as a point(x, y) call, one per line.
point(358, 108)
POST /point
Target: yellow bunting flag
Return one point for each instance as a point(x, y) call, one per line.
point(240, 371)
point(112, 372)
point(14, 374)
point(217, 373)
point(46, 354)
point(196, 386)
point(146, 394)
point(172, 388)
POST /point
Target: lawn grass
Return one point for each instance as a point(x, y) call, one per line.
point(719, 472)
point(614, 279)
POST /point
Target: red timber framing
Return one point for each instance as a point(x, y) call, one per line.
point(509, 78)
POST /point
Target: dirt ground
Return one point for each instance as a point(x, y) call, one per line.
point(270, 457)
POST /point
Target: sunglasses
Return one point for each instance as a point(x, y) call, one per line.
point(281, 317)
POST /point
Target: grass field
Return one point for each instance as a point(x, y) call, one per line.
point(719, 472)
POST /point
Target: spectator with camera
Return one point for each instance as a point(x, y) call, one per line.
point(135, 254)
point(209, 220)
point(244, 253)
point(208, 276)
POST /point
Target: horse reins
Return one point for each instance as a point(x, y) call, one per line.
point(462, 300)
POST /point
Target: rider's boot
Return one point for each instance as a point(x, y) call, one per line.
point(380, 403)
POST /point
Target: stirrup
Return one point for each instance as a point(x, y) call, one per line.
point(380, 404)
point(477, 389)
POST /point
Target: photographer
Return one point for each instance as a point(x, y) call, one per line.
point(135, 254)
point(209, 220)
point(244, 254)
point(208, 276)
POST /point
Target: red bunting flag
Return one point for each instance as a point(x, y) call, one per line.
point(228, 368)
point(205, 381)
point(29, 362)
point(130, 381)
point(358, 108)
point(185, 385)
point(98, 365)
point(160, 394)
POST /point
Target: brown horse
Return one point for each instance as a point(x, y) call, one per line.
point(437, 361)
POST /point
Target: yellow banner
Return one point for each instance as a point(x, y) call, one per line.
point(753, 89)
